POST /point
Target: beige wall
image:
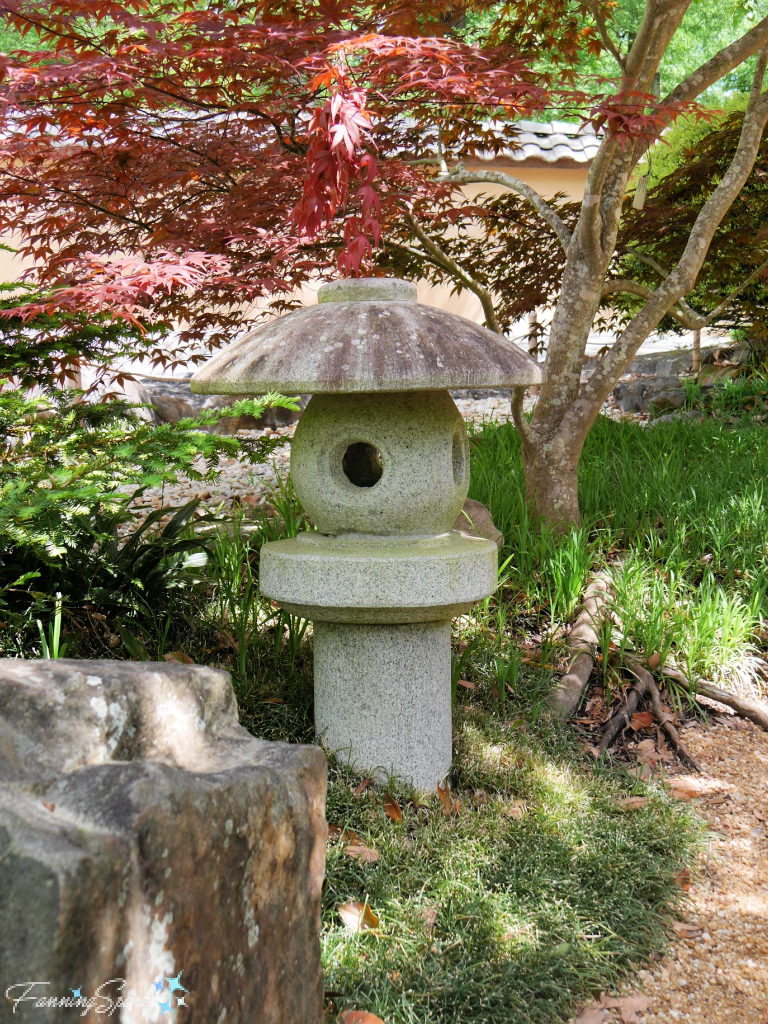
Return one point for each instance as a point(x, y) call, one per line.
point(549, 181)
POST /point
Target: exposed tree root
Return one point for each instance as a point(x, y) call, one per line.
point(746, 708)
point(621, 719)
point(662, 716)
point(583, 640)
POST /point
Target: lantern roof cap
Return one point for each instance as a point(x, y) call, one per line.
point(366, 335)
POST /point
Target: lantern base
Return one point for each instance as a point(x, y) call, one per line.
point(383, 698)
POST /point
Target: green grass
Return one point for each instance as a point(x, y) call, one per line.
point(679, 511)
point(542, 891)
point(540, 888)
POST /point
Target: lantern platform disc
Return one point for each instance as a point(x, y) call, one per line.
point(360, 579)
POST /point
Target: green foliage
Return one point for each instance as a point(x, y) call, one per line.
point(71, 479)
point(660, 231)
point(40, 351)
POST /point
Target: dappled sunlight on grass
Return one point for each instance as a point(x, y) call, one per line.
point(537, 887)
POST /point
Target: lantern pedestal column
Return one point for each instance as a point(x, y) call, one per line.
point(383, 697)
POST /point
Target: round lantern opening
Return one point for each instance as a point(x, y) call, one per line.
point(362, 464)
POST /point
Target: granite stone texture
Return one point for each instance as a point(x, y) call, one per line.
point(381, 579)
point(383, 698)
point(423, 458)
point(354, 342)
point(146, 836)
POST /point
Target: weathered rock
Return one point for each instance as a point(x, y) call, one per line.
point(668, 401)
point(639, 394)
point(172, 400)
point(145, 835)
point(688, 415)
point(475, 519)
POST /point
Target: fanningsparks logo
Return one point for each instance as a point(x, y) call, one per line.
point(167, 995)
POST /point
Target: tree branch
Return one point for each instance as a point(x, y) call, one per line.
point(545, 211)
point(518, 418)
point(721, 64)
point(688, 317)
point(682, 278)
point(608, 43)
point(440, 257)
point(457, 271)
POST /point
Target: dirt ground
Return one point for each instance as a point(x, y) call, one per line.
point(716, 970)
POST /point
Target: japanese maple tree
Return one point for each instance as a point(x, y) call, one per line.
point(174, 161)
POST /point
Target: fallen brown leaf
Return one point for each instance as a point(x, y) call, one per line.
point(686, 931)
point(392, 808)
point(466, 684)
point(49, 807)
point(682, 789)
point(359, 851)
point(646, 751)
point(274, 700)
point(653, 662)
point(359, 1017)
point(594, 1014)
point(684, 879)
point(444, 795)
point(179, 656)
point(631, 803)
point(630, 1006)
point(345, 834)
point(359, 790)
point(428, 916)
point(357, 917)
point(641, 720)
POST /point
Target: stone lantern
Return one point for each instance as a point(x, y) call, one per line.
point(380, 464)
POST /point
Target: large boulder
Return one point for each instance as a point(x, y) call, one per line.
point(642, 393)
point(475, 520)
point(147, 842)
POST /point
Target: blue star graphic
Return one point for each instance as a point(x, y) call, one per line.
point(158, 986)
point(76, 992)
point(173, 983)
point(165, 1005)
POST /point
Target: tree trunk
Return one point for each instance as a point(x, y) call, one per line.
point(551, 485)
point(534, 338)
point(696, 353)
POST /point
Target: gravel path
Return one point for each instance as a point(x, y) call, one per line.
point(716, 970)
point(719, 973)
